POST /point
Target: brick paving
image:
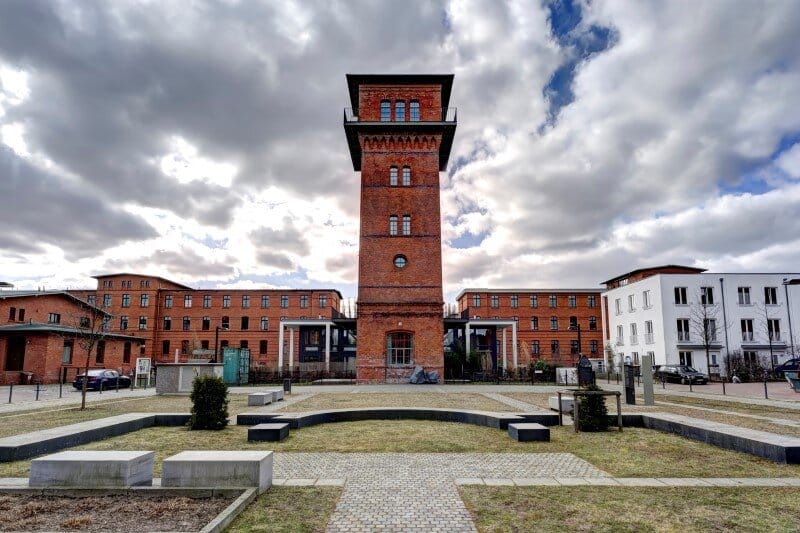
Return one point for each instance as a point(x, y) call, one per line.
point(416, 491)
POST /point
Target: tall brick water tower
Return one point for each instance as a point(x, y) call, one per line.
point(399, 131)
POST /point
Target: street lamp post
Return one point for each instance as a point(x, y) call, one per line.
point(786, 283)
point(576, 327)
point(216, 341)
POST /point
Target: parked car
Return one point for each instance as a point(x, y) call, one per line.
point(791, 364)
point(105, 379)
point(680, 374)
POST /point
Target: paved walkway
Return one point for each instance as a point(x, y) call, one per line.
point(23, 397)
point(415, 491)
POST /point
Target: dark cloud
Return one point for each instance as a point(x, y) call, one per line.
point(287, 239)
point(275, 259)
point(180, 264)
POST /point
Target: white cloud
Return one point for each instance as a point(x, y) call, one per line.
point(789, 161)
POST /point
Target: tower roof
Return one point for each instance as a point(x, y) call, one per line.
point(354, 80)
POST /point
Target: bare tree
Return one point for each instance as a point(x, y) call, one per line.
point(704, 324)
point(768, 326)
point(91, 328)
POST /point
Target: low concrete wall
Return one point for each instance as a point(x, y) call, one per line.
point(218, 468)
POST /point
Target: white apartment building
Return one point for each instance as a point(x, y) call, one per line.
point(676, 314)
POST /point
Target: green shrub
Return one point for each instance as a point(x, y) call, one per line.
point(209, 403)
point(592, 412)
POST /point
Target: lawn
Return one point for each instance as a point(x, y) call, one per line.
point(612, 509)
point(289, 509)
point(453, 400)
point(634, 452)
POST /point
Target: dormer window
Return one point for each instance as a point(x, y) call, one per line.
point(400, 111)
point(386, 111)
point(393, 176)
point(413, 110)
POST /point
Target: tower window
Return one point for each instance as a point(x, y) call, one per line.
point(393, 225)
point(406, 224)
point(400, 111)
point(400, 348)
point(386, 111)
point(406, 176)
point(393, 176)
point(413, 110)
point(400, 261)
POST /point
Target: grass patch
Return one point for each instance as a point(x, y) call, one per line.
point(613, 509)
point(383, 399)
point(289, 509)
point(635, 452)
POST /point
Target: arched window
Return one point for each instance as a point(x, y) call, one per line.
point(406, 224)
point(392, 224)
point(400, 348)
point(406, 176)
point(400, 110)
point(393, 176)
point(386, 111)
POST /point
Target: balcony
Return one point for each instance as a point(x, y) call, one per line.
point(448, 115)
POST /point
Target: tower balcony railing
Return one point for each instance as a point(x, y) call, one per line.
point(448, 114)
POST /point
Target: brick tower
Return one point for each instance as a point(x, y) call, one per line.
point(399, 131)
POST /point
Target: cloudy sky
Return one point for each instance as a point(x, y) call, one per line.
point(203, 141)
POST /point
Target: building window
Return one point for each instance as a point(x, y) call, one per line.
point(744, 295)
point(592, 323)
point(554, 347)
point(495, 301)
point(126, 300)
point(243, 344)
point(747, 329)
point(226, 301)
point(142, 323)
point(66, 353)
point(123, 322)
point(106, 324)
point(187, 301)
point(386, 111)
point(648, 332)
point(591, 301)
point(145, 300)
point(400, 261)
point(223, 344)
point(106, 284)
point(680, 296)
point(264, 301)
point(406, 176)
point(534, 347)
point(634, 334)
point(553, 300)
point(164, 347)
point(206, 301)
point(393, 176)
point(392, 224)
point(187, 323)
point(685, 358)
point(12, 314)
point(707, 295)
point(106, 300)
point(126, 353)
point(21, 314)
point(514, 301)
point(771, 295)
point(226, 322)
point(168, 301)
point(245, 301)
point(750, 358)
point(304, 301)
point(400, 348)
point(710, 329)
point(323, 300)
point(204, 345)
point(184, 346)
point(167, 323)
point(683, 329)
point(617, 306)
point(553, 323)
point(573, 300)
point(206, 324)
point(593, 347)
point(774, 329)
point(245, 323)
point(100, 352)
point(631, 303)
point(400, 111)
point(413, 110)
point(534, 300)
point(406, 224)
point(262, 347)
point(534, 323)
point(91, 299)
point(573, 347)
point(53, 318)
point(620, 329)
point(264, 323)
point(646, 303)
point(476, 300)
point(284, 301)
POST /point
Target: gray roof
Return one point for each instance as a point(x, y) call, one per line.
point(60, 329)
point(4, 295)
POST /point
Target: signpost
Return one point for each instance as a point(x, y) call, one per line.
point(143, 369)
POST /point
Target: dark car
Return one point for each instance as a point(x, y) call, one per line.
point(792, 365)
point(680, 374)
point(102, 379)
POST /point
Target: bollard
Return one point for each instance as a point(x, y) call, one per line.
point(608, 376)
point(617, 378)
point(766, 397)
point(37, 392)
point(10, 390)
point(60, 387)
point(663, 383)
point(117, 383)
point(100, 387)
point(723, 386)
point(690, 385)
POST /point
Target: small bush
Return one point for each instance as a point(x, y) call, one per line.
point(592, 413)
point(209, 403)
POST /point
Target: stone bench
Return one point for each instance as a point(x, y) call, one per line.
point(567, 403)
point(268, 432)
point(93, 469)
point(219, 469)
point(277, 395)
point(528, 432)
point(259, 398)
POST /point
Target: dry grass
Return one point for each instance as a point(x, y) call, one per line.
point(612, 509)
point(289, 509)
point(634, 452)
point(383, 399)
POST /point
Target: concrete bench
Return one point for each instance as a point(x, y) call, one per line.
point(277, 395)
point(219, 469)
point(528, 432)
point(567, 403)
point(93, 469)
point(259, 398)
point(268, 432)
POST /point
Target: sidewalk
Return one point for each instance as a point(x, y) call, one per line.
point(23, 397)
